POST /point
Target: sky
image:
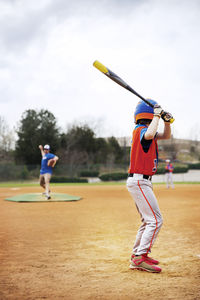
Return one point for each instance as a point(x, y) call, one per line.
point(47, 50)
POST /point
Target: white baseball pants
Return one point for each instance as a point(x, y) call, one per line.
point(142, 192)
point(169, 180)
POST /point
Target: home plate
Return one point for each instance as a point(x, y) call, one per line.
point(38, 197)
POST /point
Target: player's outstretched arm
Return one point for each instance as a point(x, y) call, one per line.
point(152, 129)
point(166, 133)
point(41, 149)
point(153, 126)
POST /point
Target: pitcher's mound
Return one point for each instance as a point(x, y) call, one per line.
point(38, 197)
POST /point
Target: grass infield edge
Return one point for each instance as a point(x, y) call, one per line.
point(14, 184)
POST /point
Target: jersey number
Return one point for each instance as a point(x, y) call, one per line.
point(155, 165)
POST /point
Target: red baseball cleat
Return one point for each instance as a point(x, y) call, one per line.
point(141, 263)
point(150, 259)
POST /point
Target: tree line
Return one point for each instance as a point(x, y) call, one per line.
point(78, 146)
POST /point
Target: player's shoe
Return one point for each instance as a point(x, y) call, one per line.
point(44, 194)
point(141, 263)
point(148, 258)
point(48, 197)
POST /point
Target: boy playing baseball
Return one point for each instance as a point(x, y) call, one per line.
point(143, 164)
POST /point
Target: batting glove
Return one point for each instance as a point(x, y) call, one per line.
point(158, 110)
point(166, 116)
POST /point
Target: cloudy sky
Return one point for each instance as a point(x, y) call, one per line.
point(47, 48)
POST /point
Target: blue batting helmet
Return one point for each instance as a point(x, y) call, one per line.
point(144, 111)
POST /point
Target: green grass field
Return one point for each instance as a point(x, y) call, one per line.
point(29, 184)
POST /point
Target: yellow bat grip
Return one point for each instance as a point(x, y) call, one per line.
point(100, 67)
point(172, 120)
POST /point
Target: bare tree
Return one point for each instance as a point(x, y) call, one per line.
point(7, 138)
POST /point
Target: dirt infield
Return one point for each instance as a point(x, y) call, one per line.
point(81, 250)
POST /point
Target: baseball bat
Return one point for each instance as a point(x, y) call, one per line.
point(121, 82)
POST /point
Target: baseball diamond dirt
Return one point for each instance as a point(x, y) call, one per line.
point(81, 250)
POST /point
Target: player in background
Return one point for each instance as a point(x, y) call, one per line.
point(46, 170)
point(143, 164)
point(169, 170)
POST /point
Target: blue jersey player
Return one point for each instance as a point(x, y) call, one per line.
point(46, 169)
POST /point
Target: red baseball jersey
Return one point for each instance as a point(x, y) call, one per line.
point(169, 168)
point(144, 153)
